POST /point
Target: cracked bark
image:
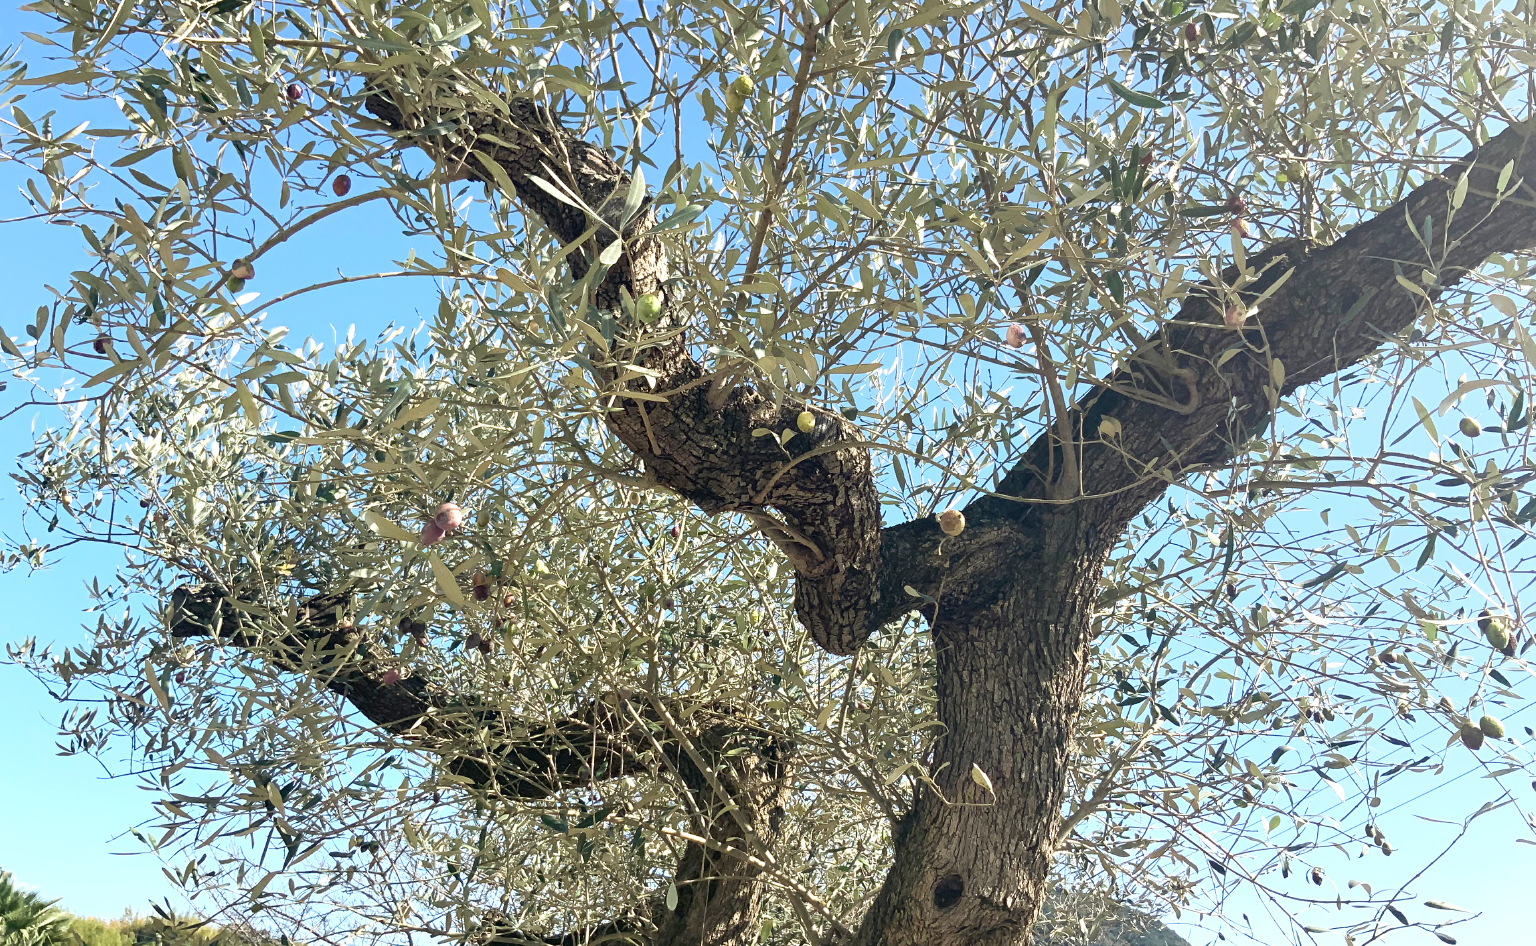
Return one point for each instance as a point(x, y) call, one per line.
point(735, 776)
point(1013, 635)
point(1015, 591)
point(696, 442)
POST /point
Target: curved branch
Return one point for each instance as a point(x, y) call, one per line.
point(1012, 637)
point(698, 439)
point(1199, 387)
point(500, 754)
point(734, 776)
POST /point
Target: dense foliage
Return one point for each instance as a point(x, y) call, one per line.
point(26, 919)
point(933, 228)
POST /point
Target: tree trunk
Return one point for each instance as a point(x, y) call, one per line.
point(973, 863)
point(719, 888)
point(1015, 590)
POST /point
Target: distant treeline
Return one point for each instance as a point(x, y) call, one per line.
point(27, 919)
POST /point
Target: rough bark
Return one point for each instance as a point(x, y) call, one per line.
point(740, 809)
point(505, 756)
point(698, 441)
point(1014, 592)
point(1012, 634)
point(971, 865)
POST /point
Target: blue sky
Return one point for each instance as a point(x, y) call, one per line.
point(66, 822)
point(65, 831)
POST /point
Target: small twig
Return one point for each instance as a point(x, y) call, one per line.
point(781, 164)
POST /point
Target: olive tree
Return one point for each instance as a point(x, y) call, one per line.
point(872, 466)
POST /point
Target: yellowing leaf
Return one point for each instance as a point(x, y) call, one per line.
point(260, 887)
point(416, 411)
point(980, 778)
point(388, 529)
point(1043, 18)
point(154, 684)
point(1504, 304)
point(122, 367)
point(119, 17)
point(1462, 390)
point(446, 580)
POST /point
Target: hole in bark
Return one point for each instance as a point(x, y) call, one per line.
point(947, 892)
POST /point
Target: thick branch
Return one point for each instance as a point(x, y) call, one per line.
point(1012, 639)
point(735, 776)
point(1180, 412)
point(506, 756)
point(1011, 598)
point(699, 440)
point(1337, 305)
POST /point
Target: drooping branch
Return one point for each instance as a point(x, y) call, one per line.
point(814, 495)
point(503, 755)
point(733, 776)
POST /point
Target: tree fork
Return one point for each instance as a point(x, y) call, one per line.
point(1012, 640)
point(1012, 631)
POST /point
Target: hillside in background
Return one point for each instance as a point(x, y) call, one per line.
point(1073, 919)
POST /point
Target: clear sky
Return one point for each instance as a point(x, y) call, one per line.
point(64, 827)
point(65, 823)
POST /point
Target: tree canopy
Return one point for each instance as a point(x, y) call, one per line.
point(871, 463)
